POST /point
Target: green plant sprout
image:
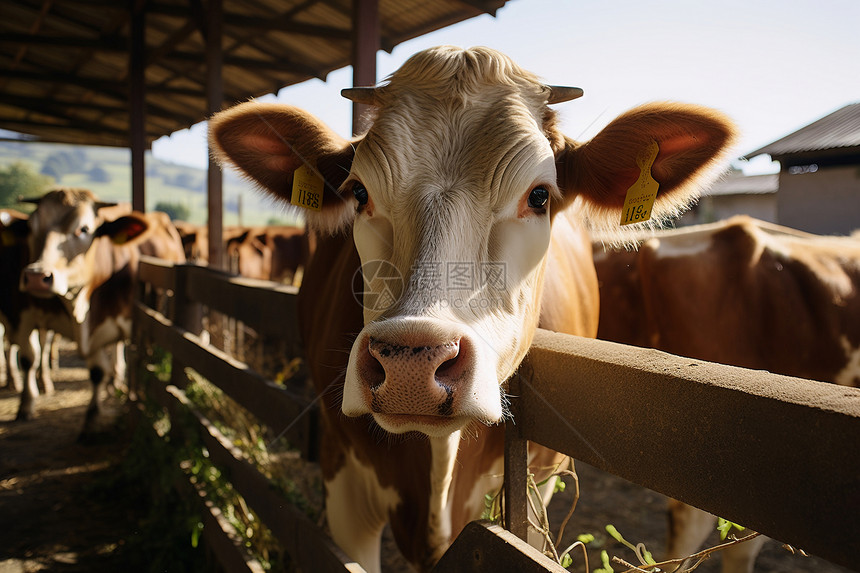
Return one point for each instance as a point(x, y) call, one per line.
point(644, 556)
point(724, 526)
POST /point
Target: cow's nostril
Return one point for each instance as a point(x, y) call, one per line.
point(372, 370)
point(48, 279)
point(447, 366)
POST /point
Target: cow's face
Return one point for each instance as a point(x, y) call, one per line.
point(452, 226)
point(63, 230)
point(450, 196)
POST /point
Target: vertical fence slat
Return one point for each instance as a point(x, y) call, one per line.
point(516, 471)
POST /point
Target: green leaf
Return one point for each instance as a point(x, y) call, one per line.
point(559, 486)
point(566, 561)
point(724, 526)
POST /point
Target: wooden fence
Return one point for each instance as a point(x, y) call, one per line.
point(775, 453)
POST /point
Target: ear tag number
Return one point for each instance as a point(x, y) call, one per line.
point(641, 195)
point(307, 189)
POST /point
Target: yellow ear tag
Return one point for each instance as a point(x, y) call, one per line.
point(641, 195)
point(307, 189)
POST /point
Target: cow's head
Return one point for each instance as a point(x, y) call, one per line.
point(63, 229)
point(450, 197)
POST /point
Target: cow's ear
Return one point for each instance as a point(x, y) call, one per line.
point(13, 231)
point(270, 142)
point(125, 230)
point(691, 144)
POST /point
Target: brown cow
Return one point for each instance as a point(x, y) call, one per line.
point(426, 287)
point(274, 253)
point(80, 279)
point(195, 241)
point(741, 292)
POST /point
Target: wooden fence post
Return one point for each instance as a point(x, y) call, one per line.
point(516, 470)
point(187, 313)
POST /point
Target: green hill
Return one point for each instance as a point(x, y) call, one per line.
point(107, 172)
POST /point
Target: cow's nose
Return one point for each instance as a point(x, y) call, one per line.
point(413, 378)
point(38, 280)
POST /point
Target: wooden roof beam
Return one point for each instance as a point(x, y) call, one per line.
point(107, 43)
point(282, 23)
point(117, 90)
point(284, 65)
point(39, 103)
point(14, 124)
point(54, 106)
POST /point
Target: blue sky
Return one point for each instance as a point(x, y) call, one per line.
point(772, 65)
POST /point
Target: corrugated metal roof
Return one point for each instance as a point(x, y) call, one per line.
point(64, 66)
point(840, 129)
point(737, 183)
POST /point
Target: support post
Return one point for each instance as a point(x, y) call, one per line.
point(137, 103)
point(365, 44)
point(516, 471)
point(215, 98)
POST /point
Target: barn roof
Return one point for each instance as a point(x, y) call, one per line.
point(64, 65)
point(736, 183)
point(840, 129)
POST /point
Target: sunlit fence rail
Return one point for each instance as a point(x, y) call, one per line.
point(775, 453)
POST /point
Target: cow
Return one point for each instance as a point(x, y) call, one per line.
point(275, 253)
point(162, 241)
point(13, 257)
point(13, 253)
point(80, 280)
point(741, 292)
point(195, 240)
point(459, 196)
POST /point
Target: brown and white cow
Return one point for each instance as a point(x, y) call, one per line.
point(741, 292)
point(458, 198)
point(80, 279)
point(14, 255)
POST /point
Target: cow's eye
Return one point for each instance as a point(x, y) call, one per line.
point(84, 230)
point(538, 198)
point(360, 193)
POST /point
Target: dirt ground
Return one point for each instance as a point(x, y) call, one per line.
point(61, 509)
point(63, 504)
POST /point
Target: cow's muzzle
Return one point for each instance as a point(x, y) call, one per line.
point(420, 374)
point(38, 282)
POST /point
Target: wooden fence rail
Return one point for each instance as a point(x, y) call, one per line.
point(775, 453)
